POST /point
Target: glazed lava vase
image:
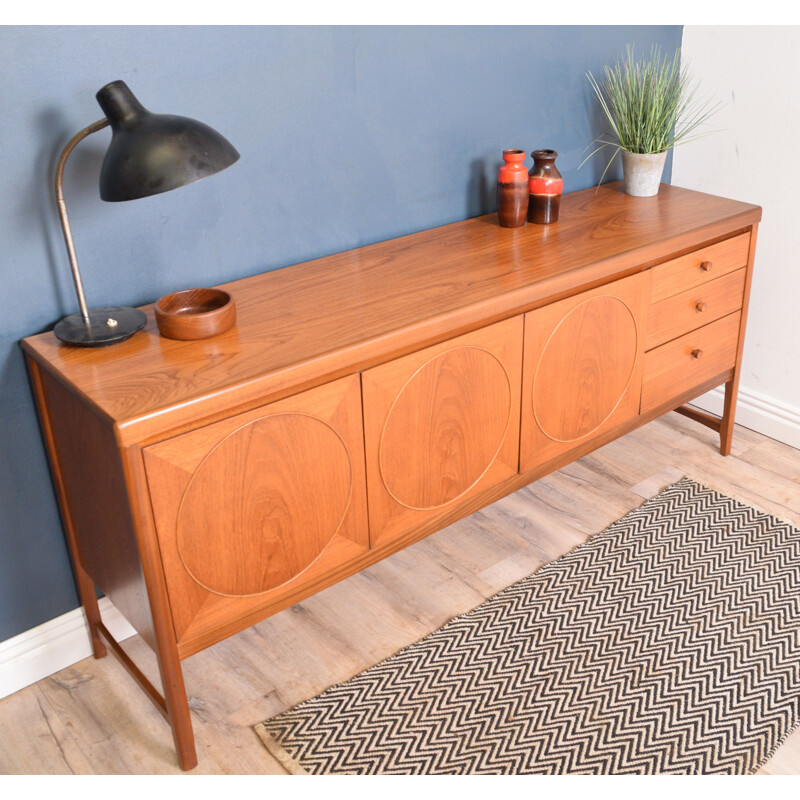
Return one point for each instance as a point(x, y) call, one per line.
point(545, 187)
point(512, 190)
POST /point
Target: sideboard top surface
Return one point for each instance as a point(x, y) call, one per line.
point(301, 325)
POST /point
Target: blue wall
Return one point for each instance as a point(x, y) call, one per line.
point(347, 136)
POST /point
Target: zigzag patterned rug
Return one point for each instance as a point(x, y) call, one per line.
point(668, 644)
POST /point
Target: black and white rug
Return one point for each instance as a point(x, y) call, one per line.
point(668, 643)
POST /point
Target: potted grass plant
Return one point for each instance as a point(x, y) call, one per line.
point(652, 106)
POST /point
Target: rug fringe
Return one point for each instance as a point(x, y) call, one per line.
point(290, 764)
point(777, 746)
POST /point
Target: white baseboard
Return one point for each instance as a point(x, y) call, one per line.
point(54, 645)
point(758, 412)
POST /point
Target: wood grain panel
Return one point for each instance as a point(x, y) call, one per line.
point(699, 267)
point(441, 425)
point(308, 324)
point(674, 368)
point(249, 508)
point(264, 503)
point(445, 428)
point(694, 308)
point(585, 368)
point(582, 367)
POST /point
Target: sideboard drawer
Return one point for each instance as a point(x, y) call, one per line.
point(699, 306)
point(674, 368)
point(699, 266)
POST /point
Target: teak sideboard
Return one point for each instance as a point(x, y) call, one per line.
point(367, 399)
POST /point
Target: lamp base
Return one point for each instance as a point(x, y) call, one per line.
point(105, 326)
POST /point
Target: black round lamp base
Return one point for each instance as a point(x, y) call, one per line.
point(105, 326)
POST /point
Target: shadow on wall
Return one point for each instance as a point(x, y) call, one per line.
point(42, 198)
point(596, 164)
point(481, 189)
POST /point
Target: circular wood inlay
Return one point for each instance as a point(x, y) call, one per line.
point(585, 369)
point(445, 428)
point(263, 504)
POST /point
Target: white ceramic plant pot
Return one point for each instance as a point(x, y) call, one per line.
point(642, 172)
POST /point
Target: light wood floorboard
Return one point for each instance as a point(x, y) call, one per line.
point(91, 718)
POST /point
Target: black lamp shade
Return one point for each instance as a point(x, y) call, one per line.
point(153, 153)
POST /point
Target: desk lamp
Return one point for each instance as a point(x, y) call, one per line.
point(148, 154)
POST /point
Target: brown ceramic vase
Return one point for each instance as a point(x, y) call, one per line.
point(512, 190)
point(545, 187)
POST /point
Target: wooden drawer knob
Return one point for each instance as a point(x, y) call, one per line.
point(697, 353)
point(706, 266)
point(701, 306)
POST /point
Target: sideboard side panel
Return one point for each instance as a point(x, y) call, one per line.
point(94, 502)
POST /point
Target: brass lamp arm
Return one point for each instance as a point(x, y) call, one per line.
point(62, 210)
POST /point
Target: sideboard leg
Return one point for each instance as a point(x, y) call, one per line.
point(728, 415)
point(732, 386)
point(174, 706)
point(88, 597)
point(177, 708)
point(169, 663)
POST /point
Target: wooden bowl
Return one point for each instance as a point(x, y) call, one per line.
point(195, 313)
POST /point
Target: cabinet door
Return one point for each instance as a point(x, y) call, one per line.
point(441, 425)
point(253, 508)
point(583, 367)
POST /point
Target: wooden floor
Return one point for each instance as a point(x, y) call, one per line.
point(91, 718)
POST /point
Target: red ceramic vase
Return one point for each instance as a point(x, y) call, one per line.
point(545, 188)
point(512, 190)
